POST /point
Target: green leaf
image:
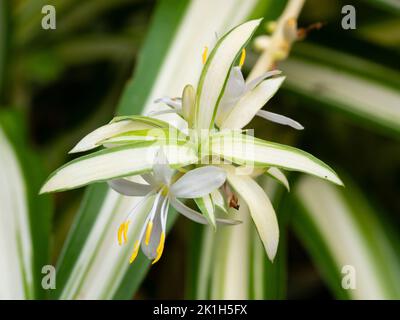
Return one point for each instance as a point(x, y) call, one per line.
point(155, 134)
point(116, 162)
point(216, 71)
point(247, 150)
point(340, 229)
point(25, 216)
point(117, 126)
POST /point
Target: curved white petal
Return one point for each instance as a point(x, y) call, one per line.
point(130, 188)
point(196, 216)
point(279, 176)
point(278, 118)
point(256, 81)
point(159, 112)
point(149, 178)
point(261, 210)
point(234, 90)
point(198, 182)
point(173, 103)
point(248, 106)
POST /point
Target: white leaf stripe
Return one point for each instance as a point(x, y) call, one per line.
point(248, 150)
point(117, 126)
point(279, 176)
point(16, 251)
point(216, 71)
point(115, 163)
point(207, 208)
point(153, 134)
point(147, 120)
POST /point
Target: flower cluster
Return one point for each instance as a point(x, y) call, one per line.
point(208, 161)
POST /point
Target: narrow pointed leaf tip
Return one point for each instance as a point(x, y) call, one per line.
point(117, 126)
point(246, 150)
point(115, 163)
point(216, 71)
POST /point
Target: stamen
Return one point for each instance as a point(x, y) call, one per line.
point(148, 232)
point(126, 231)
point(123, 231)
point(204, 55)
point(134, 252)
point(242, 57)
point(160, 248)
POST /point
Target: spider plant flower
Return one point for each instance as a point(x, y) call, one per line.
point(162, 186)
point(130, 143)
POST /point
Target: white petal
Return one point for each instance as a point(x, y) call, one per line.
point(161, 169)
point(279, 176)
point(248, 106)
point(159, 112)
point(234, 90)
point(197, 216)
point(278, 118)
point(149, 178)
point(173, 103)
point(198, 182)
point(261, 210)
point(130, 188)
point(150, 249)
point(256, 81)
point(216, 70)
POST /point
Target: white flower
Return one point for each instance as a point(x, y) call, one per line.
point(162, 187)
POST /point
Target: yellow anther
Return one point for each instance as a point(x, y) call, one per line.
point(125, 233)
point(134, 252)
point(242, 57)
point(148, 232)
point(204, 55)
point(120, 230)
point(160, 248)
